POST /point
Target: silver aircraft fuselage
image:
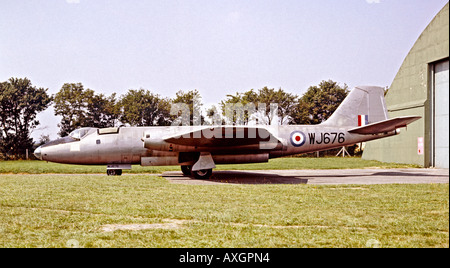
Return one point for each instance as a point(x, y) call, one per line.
point(127, 146)
point(361, 117)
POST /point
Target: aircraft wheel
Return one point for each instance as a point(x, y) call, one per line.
point(203, 174)
point(186, 170)
point(114, 172)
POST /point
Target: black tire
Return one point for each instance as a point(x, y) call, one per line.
point(114, 172)
point(186, 170)
point(203, 174)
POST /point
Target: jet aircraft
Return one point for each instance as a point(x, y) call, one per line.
point(361, 117)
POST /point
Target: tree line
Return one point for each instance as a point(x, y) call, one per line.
point(78, 106)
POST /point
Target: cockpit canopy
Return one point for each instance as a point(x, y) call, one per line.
point(78, 134)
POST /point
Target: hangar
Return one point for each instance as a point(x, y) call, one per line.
point(421, 87)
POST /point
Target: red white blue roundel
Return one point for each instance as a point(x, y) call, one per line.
point(298, 138)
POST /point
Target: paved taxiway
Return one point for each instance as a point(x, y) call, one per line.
point(341, 176)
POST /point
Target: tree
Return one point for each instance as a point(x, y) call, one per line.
point(238, 108)
point(80, 107)
point(43, 139)
point(103, 111)
point(285, 102)
point(193, 101)
point(259, 106)
point(20, 102)
point(71, 102)
point(319, 103)
point(143, 108)
point(214, 116)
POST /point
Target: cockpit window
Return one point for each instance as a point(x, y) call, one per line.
point(79, 133)
point(110, 130)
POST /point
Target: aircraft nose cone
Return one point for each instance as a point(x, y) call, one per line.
point(37, 153)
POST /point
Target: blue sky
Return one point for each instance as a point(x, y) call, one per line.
point(217, 47)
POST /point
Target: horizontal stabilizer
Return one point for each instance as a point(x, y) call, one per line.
point(385, 125)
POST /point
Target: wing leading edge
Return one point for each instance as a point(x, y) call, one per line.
point(224, 136)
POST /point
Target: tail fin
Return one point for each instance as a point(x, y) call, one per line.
point(364, 105)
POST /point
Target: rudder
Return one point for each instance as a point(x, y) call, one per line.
point(364, 105)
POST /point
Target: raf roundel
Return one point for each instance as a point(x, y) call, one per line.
point(298, 138)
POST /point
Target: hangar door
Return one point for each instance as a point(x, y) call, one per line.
point(440, 88)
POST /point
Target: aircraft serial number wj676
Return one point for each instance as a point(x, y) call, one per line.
point(361, 117)
point(327, 138)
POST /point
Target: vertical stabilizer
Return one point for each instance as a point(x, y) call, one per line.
point(364, 105)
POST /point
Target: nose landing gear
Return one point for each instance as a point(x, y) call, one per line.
point(116, 169)
point(114, 172)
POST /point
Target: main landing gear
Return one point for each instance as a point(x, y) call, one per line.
point(203, 174)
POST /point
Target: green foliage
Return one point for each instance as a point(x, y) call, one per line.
point(260, 103)
point(193, 100)
point(143, 108)
point(319, 103)
point(103, 111)
point(80, 107)
point(71, 103)
point(20, 102)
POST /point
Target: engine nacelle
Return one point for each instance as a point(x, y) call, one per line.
point(156, 144)
point(159, 144)
point(176, 160)
point(160, 161)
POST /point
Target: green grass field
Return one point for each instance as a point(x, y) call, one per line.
point(38, 167)
point(53, 210)
point(143, 210)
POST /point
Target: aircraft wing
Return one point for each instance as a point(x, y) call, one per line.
point(224, 136)
point(385, 125)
